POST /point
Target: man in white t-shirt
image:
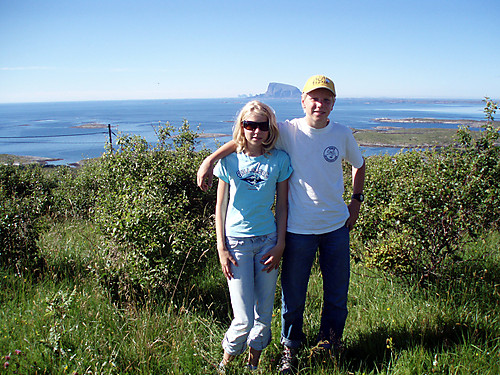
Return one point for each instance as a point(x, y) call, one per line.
point(318, 218)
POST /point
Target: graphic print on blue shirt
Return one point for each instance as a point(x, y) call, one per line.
point(253, 176)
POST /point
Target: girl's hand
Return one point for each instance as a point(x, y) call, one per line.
point(272, 258)
point(226, 259)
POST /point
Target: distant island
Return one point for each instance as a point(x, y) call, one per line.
point(414, 120)
point(92, 125)
point(278, 90)
point(19, 160)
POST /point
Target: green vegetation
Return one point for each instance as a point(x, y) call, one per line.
point(422, 207)
point(405, 137)
point(67, 322)
point(111, 268)
point(415, 138)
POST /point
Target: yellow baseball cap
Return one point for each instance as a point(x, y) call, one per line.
point(319, 82)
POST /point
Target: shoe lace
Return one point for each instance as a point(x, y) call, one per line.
point(287, 357)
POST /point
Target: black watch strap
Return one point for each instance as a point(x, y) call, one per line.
point(359, 197)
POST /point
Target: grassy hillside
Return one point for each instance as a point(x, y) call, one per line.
point(67, 323)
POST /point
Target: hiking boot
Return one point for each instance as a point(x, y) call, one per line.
point(322, 348)
point(288, 361)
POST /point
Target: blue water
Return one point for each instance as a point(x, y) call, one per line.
point(48, 129)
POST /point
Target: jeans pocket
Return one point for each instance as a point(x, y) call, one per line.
point(272, 238)
point(232, 243)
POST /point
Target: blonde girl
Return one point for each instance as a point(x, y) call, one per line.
point(250, 237)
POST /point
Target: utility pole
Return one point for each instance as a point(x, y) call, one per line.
point(110, 139)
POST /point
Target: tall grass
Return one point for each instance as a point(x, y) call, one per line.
point(66, 323)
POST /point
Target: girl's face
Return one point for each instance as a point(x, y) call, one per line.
point(252, 126)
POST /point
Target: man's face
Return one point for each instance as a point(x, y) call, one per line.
point(317, 105)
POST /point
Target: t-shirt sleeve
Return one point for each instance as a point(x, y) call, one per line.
point(353, 152)
point(220, 170)
point(286, 167)
point(280, 143)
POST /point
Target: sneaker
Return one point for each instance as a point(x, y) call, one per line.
point(338, 351)
point(250, 367)
point(221, 368)
point(288, 361)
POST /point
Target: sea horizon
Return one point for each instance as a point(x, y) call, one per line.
point(257, 97)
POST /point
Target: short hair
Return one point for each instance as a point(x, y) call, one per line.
point(258, 108)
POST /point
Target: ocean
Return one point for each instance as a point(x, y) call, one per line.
point(53, 130)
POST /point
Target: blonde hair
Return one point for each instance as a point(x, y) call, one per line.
point(261, 109)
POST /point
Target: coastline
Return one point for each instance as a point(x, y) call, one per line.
point(425, 120)
point(417, 120)
point(25, 159)
point(399, 137)
point(378, 136)
point(416, 138)
point(7, 159)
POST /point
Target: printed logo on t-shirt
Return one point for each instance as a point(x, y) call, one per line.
point(254, 176)
point(331, 154)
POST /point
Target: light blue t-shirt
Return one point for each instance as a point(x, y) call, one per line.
point(252, 188)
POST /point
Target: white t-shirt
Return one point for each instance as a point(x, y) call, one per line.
point(315, 202)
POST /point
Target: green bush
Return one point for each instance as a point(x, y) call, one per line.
point(75, 192)
point(144, 197)
point(157, 221)
point(422, 205)
point(25, 196)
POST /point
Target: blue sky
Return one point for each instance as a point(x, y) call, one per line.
point(118, 49)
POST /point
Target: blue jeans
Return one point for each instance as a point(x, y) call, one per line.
point(252, 294)
point(298, 258)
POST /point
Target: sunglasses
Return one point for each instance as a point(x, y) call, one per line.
point(252, 125)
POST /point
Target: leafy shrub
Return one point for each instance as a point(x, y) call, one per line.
point(75, 192)
point(422, 205)
point(25, 196)
point(156, 219)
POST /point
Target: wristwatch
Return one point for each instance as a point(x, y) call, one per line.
point(359, 197)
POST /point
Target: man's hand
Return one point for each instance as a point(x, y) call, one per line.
point(358, 181)
point(354, 208)
point(272, 258)
point(205, 175)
